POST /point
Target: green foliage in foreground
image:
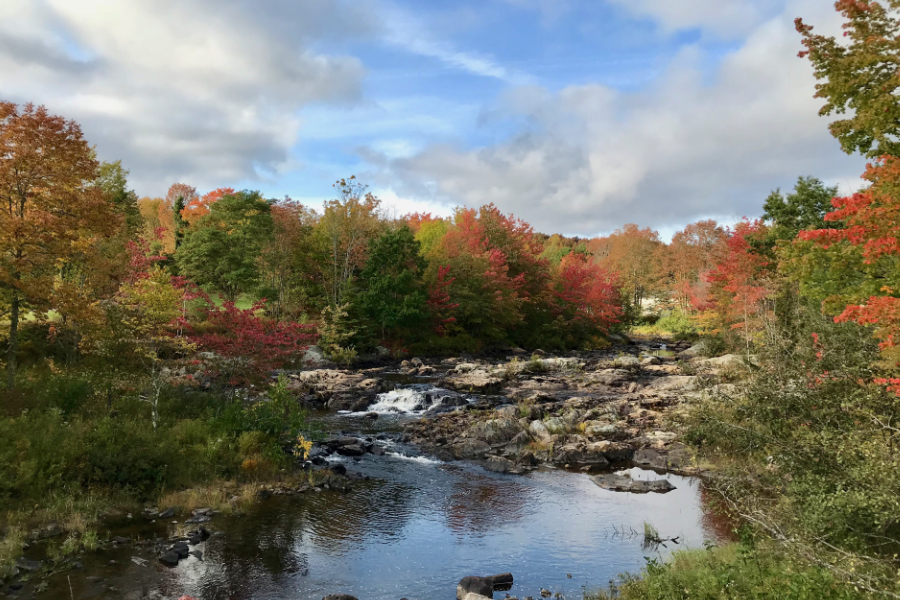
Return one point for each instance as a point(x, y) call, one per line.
point(731, 572)
point(71, 440)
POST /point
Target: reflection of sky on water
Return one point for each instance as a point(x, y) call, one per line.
point(418, 532)
point(416, 529)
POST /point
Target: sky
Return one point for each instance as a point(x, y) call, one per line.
point(578, 116)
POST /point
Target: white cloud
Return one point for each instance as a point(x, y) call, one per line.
point(724, 17)
point(594, 158)
point(203, 91)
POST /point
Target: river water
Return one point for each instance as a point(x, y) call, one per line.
point(413, 530)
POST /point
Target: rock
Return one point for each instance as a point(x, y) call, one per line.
point(676, 457)
point(141, 562)
point(728, 361)
point(197, 554)
point(167, 514)
point(556, 425)
point(201, 518)
point(479, 587)
point(693, 351)
point(650, 360)
point(539, 431)
point(469, 449)
point(28, 565)
point(581, 455)
point(626, 361)
point(417, 362)
point(120, 540)
point(479, 382)
point(599, 429)
point(675, 383)
point(609, 377)
point(624, 483)
point(494, 431)
point(355, 449)
point(518, 444)
point(78, 566)
point(169, 559)
point(497, 464)
point(339, 469)
point(339, 597)
point(314, 357)
point(181, 549)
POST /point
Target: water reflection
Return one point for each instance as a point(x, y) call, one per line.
point(413, 532)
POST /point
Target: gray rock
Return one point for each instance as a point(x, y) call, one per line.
point(675, 383)
point(469, 449)
point(167, 514)
point(170, 558)
point(626, 361)
point(28, 565)
point(339, 597)
point(198, 519)
point(539, 430)
point(494, 431)
point(475, 381)
point(472, 587)
point(650, 360)
point(624, 483)
point(499, 464)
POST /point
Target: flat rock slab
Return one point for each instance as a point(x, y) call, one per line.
point(623, 483)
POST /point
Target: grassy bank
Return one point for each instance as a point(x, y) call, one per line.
point(74, 450)
point(731, 572)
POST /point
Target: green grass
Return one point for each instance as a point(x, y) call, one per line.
point(729, 572)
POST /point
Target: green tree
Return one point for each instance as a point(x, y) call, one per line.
point(804, 208)
point(860, 77)
point(393, 295)
point(113, 181)
point(223, 250)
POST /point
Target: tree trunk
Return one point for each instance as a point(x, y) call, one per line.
point(13, 351)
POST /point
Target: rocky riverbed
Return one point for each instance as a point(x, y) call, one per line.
point(591, 411)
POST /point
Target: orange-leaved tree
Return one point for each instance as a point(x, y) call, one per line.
point(50, 209)
point(856, 269)
point(197, 208)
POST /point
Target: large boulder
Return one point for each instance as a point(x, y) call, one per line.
point(477, 588)
point(624, 483)
point(518, 444)
point(315, 357)
point(674, 458)
point(580, 454)
point(494, 431)
point(480, 382)
point(626, 361)
point(556, 425)
point(498, 464)
point(469, 449)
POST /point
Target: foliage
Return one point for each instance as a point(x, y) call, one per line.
point(804, 208)
point(853, 268)
point(393, 296)
point(50, 213)
point(729, 572)
point(860, 77)
point(224, 248)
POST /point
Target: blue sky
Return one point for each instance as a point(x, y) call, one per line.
point(577, 115)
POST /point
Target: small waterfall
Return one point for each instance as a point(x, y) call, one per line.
point(413, 400)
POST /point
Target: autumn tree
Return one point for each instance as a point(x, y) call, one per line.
point(170, 213)
point(349, 222)
point(51, 209)
point(688, 260)
point(634, 254)
point(586, 301)
point(854, 269)
point(224, 248)
point(859, 78)
point(290, 269)
point(198, 207)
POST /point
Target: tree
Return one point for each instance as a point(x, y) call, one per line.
point(290, 269)
point(112, 179)
point(634, 254)
point(393, 295)
point(178, 196)
point(50, 208)
point(223, 250)
point(861, 76)
point(689, 259)
point(585, 298)
point(804, 208)
point(855, 268)
point(198, 208)
point(347, 225)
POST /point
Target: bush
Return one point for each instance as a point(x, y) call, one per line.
point(678, 324)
